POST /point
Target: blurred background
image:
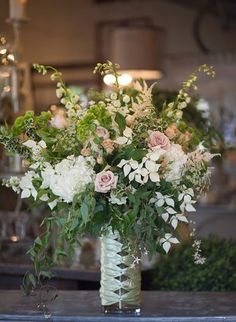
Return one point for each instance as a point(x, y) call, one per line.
point(158, 40)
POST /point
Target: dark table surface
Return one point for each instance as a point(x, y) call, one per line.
point(84, 306)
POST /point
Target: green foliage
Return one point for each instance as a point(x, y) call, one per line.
point(86, 126)
point(193, 121)
point(178, 272)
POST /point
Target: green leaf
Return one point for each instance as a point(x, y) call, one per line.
point(84, 212)
point(38, 241)
point(120, 120)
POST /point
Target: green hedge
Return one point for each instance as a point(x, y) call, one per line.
point(177, 272)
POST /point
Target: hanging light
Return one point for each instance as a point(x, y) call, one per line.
point(137, 49)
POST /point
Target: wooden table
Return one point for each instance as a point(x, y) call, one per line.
point(84, 306)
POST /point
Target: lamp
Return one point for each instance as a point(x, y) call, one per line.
point(137, 49)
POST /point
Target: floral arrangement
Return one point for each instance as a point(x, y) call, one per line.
point(119, 163)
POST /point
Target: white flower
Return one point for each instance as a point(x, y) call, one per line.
point(176, 159)
point(13, 182)
point(69, 177)
point(126, 99)
point(113, 96)
point(160, 200)
point(126, 138)
point(167, 240)
point(178, 217)
point(36, 148)
point(116, 103)
point(44, 197)
point(187, 204)
point(26, 185)
point(140, 172)
point(59, 92)
point(117, 200)
point(53, 204)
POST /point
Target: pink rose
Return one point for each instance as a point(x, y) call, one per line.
point(108, 145)
point(105, 181)
point(158, 139)
point(102, 132)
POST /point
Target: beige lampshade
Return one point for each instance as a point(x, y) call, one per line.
point(137, 50)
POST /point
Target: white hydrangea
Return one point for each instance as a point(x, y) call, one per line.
point(176, 159)
point(69, 177)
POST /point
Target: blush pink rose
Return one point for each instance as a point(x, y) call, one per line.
point(102, 132)
point(108, 145)
point(158, 140)
point(105, 181)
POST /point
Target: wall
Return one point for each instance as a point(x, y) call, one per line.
point(64, 31)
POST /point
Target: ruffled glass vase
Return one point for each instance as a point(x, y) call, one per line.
point(120, 290)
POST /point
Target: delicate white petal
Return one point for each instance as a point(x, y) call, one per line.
point(133, 164)
point(155, 155)
point(190, 192)
point(174, 222)
point(44, 197)
point(127, 169)
point(152, 200)
point(122, 163)
point(131, 176)
point(30, 144)
point(145, 179)
point(165, 216)
point(180, 197)
point(162, 240)
point(182, 218)
point(42, 144)
point(170, 210)
point(189, 208)
point(160, 202)
point(25, 193)
point(150, 165)
point(167, 236)
point(170, 202)
point(35, 166)
point(154, 177)
point(166, 246)
point(173, 240)
point(53, 204)
point(138, 178)
point(121, 140)
point(128, 132)
point(159, 195)
point(187, 198)
point(34, 193)
point(144, 172)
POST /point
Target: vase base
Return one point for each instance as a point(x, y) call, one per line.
point(123, 310)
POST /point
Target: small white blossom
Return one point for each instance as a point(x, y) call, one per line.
point(187, 204)
point(26, 185)
point(126, 99)
point(167, 240)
